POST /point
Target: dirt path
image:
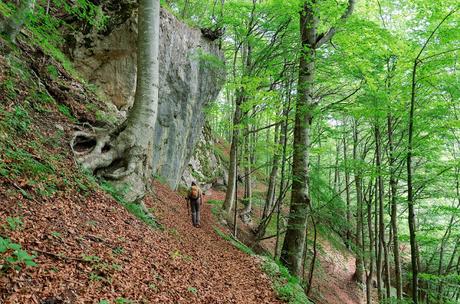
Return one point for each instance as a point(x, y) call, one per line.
point(221, 273)
point(89, 248)
point(334, 283)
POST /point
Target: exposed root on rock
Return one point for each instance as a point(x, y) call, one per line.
point(113, 155)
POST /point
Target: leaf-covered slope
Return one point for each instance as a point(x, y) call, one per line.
point(86, 246)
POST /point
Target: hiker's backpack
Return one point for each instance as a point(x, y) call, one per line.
point(194, 192)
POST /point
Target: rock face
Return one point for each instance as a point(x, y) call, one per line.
point(205, 166)
point(191, 75)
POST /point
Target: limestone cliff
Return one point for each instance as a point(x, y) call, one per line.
point(206, 165)
point(191, 75)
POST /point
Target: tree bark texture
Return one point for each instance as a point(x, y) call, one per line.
point(410, 191)
point(359, 274)
point(347, 192)
point(270, 197)
point(233, 170)
point(283, 141)
point(124, 155)
point(394, 208)
point(382, 257)
point(294, 241)
point(371, 253)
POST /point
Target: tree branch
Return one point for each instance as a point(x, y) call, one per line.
point(439, 54)
point(325, 37)
point(262, 128)
point(329, 106)
point(432, 34)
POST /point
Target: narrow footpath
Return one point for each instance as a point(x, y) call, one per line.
point(89, 249)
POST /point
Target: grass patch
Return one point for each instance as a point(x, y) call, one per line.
point(332, 237)
point(65, 110)
point(135, 209)
point(162, 180)
point(14, 223)
point(287, 286)
point(234, 241)
point(216, 208)
point(18, 119)
point(215, 202)
point(30, 166)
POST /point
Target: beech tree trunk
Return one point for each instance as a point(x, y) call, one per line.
point(410, 191)
point(232, 172)
point(359, 274)
point(370, 274)
point(410, 146)
point(382, 257)
point(246, 212)
point(347, 192)
point(313, 259)
point(231, 193)
point(283, 142)
point(124, 155)
point(294, 241)
point(336, 167)
point(270, 197)
point(394, 209)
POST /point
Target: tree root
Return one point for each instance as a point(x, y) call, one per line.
point(112, 156)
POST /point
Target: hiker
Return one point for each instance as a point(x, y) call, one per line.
point(195, 197)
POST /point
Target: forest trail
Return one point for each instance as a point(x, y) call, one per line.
point(91, 249)
point(226, 274)
point(333, 283)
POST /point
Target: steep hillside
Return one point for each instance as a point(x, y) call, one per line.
point(333, 281)
point(63, 240)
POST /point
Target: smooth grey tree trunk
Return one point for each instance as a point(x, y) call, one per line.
point(231, 194)
point(347, 191)
point(246, 212)
point(124, 155)
point(336, 167)
point(410, 192)
point(359, 274)
point(409, 166)
point(382, 257)
point(371, 253)
point(294, 241)
point(394, 209)
point(233, 171)
point(270, 197)
point(283, 142)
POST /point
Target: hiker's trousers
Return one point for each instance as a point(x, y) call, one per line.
point(195, 206)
